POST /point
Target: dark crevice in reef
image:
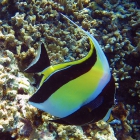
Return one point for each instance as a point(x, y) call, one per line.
point(8, 11)
point(132, 60)
point(6, 136)
point(123, 94)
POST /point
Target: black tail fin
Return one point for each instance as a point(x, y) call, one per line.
point(40, 62)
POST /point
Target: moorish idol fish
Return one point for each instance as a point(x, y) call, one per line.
point(77, 92)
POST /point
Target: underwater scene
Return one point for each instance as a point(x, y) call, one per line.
point(69, 69)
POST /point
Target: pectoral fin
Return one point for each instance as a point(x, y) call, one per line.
point(95, 103)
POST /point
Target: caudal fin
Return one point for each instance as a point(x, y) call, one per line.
point(40, 62)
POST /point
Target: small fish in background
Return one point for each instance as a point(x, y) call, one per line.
point(78, 92)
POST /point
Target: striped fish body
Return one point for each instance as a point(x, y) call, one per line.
point(73, 90)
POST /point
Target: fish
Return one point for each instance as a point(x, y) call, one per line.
point(78, 92)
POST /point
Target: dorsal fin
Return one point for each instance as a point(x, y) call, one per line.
point(40, 62)
point(100, 53)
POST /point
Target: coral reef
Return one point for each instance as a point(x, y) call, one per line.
point(14, 93)
point(100, 131)
point(24, 25)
